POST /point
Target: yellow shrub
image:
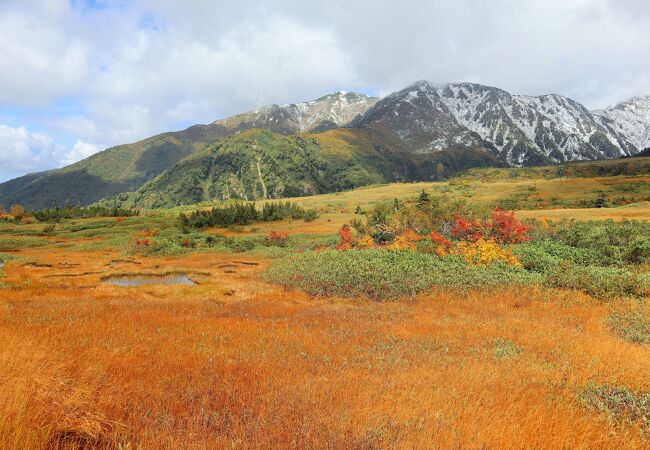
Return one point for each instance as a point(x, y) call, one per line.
point(484, 252)
point(407, 241)
point(366, 241)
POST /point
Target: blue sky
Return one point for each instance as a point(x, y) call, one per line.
point(79, 76)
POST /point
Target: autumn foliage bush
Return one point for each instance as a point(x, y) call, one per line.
point(406, 241)
point(476, 241)
point(277, 239)
point(345, 239)
point(502, 228)
point(484, 251)
point(16, 213)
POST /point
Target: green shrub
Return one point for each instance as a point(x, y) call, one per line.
point(89, 225)
point(535, 257)
point(16, 244)
point(245, 214)
point(78, 212)
point(158, 246)
point(543, 256)
point(619, 403)
point(244, 243)
point(381, 274)
point(604, 283)
point(617, 243)
point(633, 325)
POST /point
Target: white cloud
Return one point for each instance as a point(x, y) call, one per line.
point(22, 151)
point(39, 63)
point(142, 67)
point(80, 150)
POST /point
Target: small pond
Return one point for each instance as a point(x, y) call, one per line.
point(144, 280)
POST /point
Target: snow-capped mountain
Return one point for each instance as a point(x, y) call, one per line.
point(420, 118)
point(408, 134)
point(631, 119)
point(521, 130)
point(327, 112)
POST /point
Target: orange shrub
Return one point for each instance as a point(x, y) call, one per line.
point(142, 242)
point(506, 229)
point(18, 212)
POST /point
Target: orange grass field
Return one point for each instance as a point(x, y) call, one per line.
point(238, 363)
point(235, 362)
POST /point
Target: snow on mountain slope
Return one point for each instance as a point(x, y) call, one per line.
point(331, 111)
point(631, 119)
point(550, 126)
point(420, 118)
point(521, 130)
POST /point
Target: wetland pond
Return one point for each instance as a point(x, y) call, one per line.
point(146, 280)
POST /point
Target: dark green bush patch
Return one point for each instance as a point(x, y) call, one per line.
point(616, 243)
point(78, 212)
point(382, 274)
point(246, 214)
point(605, 283)
point(544, 256)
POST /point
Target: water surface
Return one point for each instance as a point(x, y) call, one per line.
point(144, 280)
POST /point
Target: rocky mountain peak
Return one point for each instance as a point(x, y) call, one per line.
point(520, 130)
point(327, 112)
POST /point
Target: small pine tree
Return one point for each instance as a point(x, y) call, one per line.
point(423, 200)
point(601, 200)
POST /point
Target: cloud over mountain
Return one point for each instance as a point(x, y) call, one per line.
point(114, 71)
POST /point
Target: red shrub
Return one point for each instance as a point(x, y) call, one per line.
point(502, 227)
point(506, 229)
point(439, 239)
point(142, 242)
point(468, 230)
point(345, 239)
point(277, 238)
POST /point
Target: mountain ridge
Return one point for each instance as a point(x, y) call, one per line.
point(128, 167)
point(521, 130)
point(422, 119)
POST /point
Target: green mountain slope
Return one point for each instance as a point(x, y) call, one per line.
point(128, 167)
point(258, 164)
point(118, 169)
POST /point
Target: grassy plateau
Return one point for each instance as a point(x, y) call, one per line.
point(408, 315)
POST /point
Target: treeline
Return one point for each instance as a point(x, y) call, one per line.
point(245, 214)
point(79, 212)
